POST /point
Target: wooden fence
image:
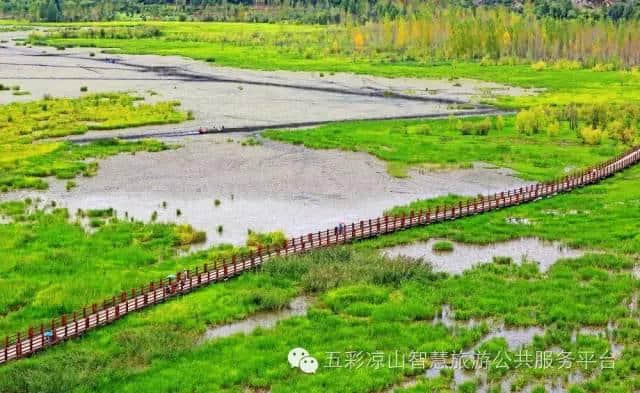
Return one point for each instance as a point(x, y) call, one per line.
point(72, 325)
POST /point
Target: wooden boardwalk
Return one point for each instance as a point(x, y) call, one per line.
point(68, 326)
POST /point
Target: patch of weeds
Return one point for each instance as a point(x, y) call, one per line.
point(442, 246)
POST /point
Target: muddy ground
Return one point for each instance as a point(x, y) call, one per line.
point(266, 187)
point(221, 96)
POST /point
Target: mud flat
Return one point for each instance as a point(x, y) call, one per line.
point(264, 187)
point(466, 256)
point(229, 97)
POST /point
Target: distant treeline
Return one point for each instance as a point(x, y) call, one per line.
point(302, 11)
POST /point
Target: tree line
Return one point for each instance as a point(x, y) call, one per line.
point(303, 11)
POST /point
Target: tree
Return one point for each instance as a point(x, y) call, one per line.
point(52, 13)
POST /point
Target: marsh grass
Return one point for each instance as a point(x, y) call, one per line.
point(442, 246)
point(374, 304)
point(25, 164)
point(403, 144)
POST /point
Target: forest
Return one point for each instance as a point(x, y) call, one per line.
point(297, 11)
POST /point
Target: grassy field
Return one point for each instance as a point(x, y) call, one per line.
point(26, 159)
point(365, 302)
point(52, 264)
point(437, 144)
point(313, 48)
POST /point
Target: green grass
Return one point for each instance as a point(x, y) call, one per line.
point(309, 48)
point(602, 216)
point(51, 265)
point(373, 305)
point(364, 302)
point(443, 246)
point(26, 157)
point(404, 143)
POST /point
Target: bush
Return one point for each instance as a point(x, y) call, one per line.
point(553, 129)
point(592, 136)
point(539, 66)
point(619, 131)
point(84, 89)
point(499, 123)
point(465, 127)
point(262, 240)
point(604, 67)
point(532, 121)
point(186, 235)
point(565, 64)
point(483, 127)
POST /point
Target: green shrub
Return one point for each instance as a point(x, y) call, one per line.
point(539, 66)
point(565, 64)
point(483, 127)
point(553, 129)
point(592, 136)
point(263, 240)
point(499, 123)
point(465, 127)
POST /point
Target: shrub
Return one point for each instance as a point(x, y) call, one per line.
point(262, 240)
point(553, 129)
point(604, 67)
point(84, 89)
point(619, 131)
point(499, 123)
point(532, 121)
point(217, 202)
point(483, 127)
point(442, 246)
point(565, 64)
point(539, 66)
point(526, 122)
point(423, 129)
point(465, 127)
point(592, 136)
point(186, 235)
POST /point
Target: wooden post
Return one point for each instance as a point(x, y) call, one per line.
point(30, 339)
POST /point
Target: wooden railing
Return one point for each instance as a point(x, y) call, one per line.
point(71, 325)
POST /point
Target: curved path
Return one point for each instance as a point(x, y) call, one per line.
point(69, 326)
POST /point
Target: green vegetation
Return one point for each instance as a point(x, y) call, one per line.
point(366, 302)
point(403, 143)
point(401, 48)
point(602, 216)
point(442, 246)
point(25, 163)
point(304, 11)
point(51, 265)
